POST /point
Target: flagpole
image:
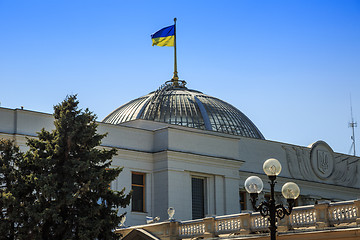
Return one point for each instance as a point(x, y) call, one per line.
point(175, 77)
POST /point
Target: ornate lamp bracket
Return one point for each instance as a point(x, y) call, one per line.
point(264, 207)
point(281, 211)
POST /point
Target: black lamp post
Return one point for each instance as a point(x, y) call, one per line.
point(270, 209)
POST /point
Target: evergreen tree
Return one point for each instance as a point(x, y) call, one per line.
point(16, 194)
point(72, 177)
point(9, 154)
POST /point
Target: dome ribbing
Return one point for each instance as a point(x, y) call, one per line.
point(178, 105)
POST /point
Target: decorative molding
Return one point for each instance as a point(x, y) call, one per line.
point(346, 170)
point(298, 161)
point(319, 163)
point(322, 159)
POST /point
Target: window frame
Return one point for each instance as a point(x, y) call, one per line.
point(143, 185)
point(204, 191)
point(243, 199)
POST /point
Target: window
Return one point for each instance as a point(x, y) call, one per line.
point(242, 199)
point(267, 197)
point(198, 197)
point(296, 202)
point(138, 194)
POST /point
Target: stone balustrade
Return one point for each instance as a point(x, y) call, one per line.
point(317, 217)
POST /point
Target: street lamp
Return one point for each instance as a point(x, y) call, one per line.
point(290, 191)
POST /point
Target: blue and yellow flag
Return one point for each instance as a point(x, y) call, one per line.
point(164, 37)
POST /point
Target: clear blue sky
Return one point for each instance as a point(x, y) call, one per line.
point(289, 65)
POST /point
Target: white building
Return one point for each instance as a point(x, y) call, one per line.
point(184, 149)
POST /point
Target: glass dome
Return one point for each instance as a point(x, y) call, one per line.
point(176, 104)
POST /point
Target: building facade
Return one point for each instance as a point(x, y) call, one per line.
point(181, 148)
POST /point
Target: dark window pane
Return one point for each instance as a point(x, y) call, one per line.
point(138, 199)
point(198, 198)
point(138, 179)
point(242, 196)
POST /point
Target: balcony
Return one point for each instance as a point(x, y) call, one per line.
point(319, 221)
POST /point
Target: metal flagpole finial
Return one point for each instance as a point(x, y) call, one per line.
point(175, 78)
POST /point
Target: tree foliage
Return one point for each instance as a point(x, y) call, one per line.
point(9, 159)
point(70, 176)
point(16, 193)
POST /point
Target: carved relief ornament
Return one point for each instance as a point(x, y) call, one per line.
point(319, 163)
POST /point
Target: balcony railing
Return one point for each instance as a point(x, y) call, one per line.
point(314, 217)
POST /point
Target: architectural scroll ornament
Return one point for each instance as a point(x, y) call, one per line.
point(319, 163)
point(346, 170)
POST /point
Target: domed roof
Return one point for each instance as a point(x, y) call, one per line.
point(173, 103)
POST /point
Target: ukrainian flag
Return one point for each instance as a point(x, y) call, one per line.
point(164, 37)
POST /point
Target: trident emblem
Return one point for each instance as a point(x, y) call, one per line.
point(323, 161)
